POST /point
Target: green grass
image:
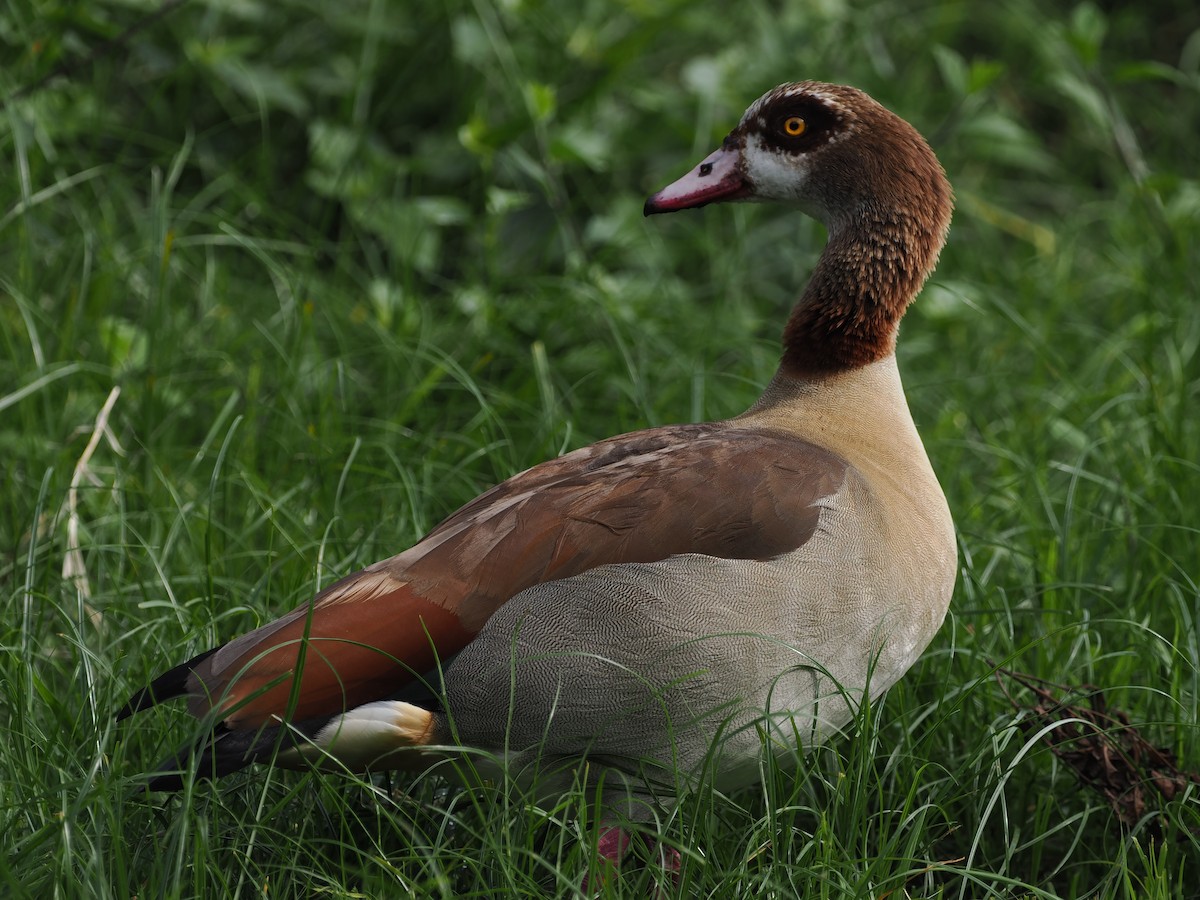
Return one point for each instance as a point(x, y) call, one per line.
point(347, 267)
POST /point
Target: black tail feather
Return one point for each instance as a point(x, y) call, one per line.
point(221, 753)
point(225, 751)
point(165, 687)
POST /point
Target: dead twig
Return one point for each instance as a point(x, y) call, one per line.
point(74, 571)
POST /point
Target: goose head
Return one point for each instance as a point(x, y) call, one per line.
point(830, 150)
point(869, 177)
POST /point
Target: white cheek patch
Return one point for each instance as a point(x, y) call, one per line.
point(775, 174)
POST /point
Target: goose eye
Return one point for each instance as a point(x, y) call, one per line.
point(793, 126)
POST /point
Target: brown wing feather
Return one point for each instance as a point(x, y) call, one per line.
point(715, 489)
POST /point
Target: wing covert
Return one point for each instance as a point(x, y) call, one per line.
point(714, 489)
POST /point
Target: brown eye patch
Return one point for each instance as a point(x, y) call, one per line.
point(798, 123)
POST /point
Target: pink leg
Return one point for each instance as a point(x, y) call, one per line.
point(611, 849)
point(672, 863)
point(613, 844)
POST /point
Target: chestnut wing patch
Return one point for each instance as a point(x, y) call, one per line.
point(712, 488)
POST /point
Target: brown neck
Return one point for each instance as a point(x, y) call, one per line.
point(871, 269)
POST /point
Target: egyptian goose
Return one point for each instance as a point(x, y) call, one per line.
point(632, 600)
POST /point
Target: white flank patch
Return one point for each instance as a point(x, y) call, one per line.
point(367, 734)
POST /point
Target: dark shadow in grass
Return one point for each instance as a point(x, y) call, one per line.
point(1106, 752)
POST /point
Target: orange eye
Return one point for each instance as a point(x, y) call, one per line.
point(793, 126)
